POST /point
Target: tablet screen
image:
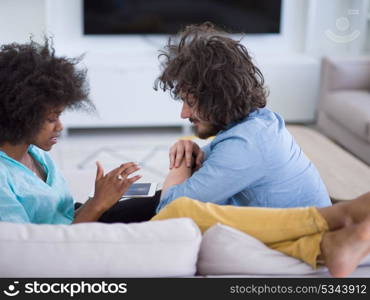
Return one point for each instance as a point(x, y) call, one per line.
point(138, 189)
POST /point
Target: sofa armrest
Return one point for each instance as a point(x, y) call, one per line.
point(344, 74)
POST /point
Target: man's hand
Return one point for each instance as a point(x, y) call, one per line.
point(188, 149)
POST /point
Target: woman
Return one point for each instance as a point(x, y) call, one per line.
point(35, 88)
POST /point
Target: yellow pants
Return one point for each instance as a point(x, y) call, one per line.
point(294, 231)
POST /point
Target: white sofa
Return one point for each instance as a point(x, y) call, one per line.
point(169, 248)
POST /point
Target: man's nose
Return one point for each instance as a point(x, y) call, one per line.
point(186, 111)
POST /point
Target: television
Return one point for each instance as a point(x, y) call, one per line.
point(112, 17)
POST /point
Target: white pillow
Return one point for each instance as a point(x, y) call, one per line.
point(227, 251)
point(148, 249)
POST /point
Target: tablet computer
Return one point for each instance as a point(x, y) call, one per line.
point(138, 190)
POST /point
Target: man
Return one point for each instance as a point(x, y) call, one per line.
point(253, 160)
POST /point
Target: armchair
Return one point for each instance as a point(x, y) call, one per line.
point(344, 107)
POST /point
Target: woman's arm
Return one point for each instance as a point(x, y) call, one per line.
point(88, 212)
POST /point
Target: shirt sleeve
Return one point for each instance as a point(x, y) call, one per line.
point(11, 210)
point(231, 166)
point(207, 150)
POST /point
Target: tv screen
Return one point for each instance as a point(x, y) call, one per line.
point(169, 16)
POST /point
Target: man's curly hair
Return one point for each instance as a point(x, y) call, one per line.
point(216, 70)
point(32, 81)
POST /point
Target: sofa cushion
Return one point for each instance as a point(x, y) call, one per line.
point(227, 251)
point(148, 249)
point(351, 109)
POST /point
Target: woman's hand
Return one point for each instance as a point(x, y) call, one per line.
point(188, 149)
point(110, 188)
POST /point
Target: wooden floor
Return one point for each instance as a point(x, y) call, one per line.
point(345, 176)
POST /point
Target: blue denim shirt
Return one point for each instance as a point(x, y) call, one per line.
point(255, 162)
point(25, 198)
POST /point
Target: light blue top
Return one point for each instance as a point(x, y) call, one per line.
point(25, 198)
point(254, 163)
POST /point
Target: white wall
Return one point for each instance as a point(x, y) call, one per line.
point(337, 27)
point(20, 18)
point(304, 29)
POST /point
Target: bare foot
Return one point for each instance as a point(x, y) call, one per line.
point(343, 249)
point(347, 213)
point(358, 209)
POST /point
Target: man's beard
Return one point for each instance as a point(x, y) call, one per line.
point(206, 131)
